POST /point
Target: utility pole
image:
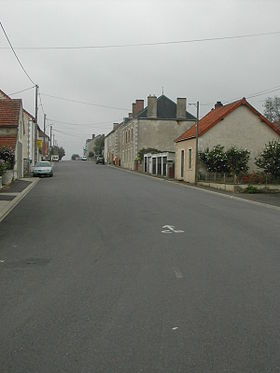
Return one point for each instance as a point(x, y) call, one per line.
point(196, 142)
point(44, 138)
point(36, 123)
point(50, 141)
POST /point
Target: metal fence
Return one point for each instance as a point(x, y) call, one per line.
point(252, 179)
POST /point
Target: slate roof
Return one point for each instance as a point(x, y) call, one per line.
point(9, 141)
point(166, 109)
point(9, 113)
point(216, 115)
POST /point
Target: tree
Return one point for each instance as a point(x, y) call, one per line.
point(99, 144)
point(237, 160)
point(56, 150)
point(74, 157)
point(269, 159)
point(143, 151)
point(215, 160)
point(272, 109)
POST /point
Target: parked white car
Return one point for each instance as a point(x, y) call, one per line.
point(43, 168)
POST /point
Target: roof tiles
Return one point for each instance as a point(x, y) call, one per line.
point(218, 114)
point(9, 112)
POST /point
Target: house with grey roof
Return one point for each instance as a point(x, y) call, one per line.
point(155, 126)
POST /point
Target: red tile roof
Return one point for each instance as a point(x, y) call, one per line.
point(9, 112)
point(218, 114)
point(9, 141)
point(9, 98)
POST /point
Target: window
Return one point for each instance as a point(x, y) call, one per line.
point(182, 162)
point(190, 158)
point(131, 134)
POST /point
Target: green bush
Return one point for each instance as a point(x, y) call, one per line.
point(237, 160)
point(269, 159)
point(251, 189)
point(7, 155)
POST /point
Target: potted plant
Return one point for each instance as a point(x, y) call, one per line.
point(7, 157)
point(2, 169)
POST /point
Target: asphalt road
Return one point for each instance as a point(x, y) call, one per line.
point(90, 283)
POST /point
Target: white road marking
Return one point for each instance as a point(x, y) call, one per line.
point(178, 273)
point(2, 261)
point(175, 328)
point(170, 229)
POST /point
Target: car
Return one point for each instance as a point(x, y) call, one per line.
point(84, 158)
point(43, 168)
point(55, 158)
point(100, 159)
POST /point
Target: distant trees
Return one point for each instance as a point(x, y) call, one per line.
point(74, 157)
point(272, 109)
point(56, 150)
point(99, 145)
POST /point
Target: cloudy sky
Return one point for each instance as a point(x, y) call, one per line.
point(114, 77)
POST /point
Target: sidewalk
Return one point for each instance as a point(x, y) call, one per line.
point(11, 195)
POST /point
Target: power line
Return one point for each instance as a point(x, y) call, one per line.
point(61, 47)
point(78, 124)
point(21, 65)
point(23, 90)
point(265, 92)
point(65, 133)
point(83, 102)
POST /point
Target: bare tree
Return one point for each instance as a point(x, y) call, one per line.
point(272, 109)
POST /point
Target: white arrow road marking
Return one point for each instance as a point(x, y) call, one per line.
point(171, 229)
point(178, 273)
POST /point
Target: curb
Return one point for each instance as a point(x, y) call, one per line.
point(190, 186)
point(16, 200)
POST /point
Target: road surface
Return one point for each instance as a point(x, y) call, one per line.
point(103, 270)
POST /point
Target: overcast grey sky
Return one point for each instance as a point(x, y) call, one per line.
point(205, 71)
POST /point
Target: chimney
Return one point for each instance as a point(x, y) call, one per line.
point(218, 104)
point(152, 107)
point(133, 110)
point(181, 108)
point(115, 125)
point(139, 106)
point(130, 115)
point(92, 136)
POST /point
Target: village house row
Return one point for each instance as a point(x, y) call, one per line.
point(17, 131)
point(168, 127)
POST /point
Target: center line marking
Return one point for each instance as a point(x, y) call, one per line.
point(178, 273)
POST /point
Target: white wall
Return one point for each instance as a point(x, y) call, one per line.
point(243, 129)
